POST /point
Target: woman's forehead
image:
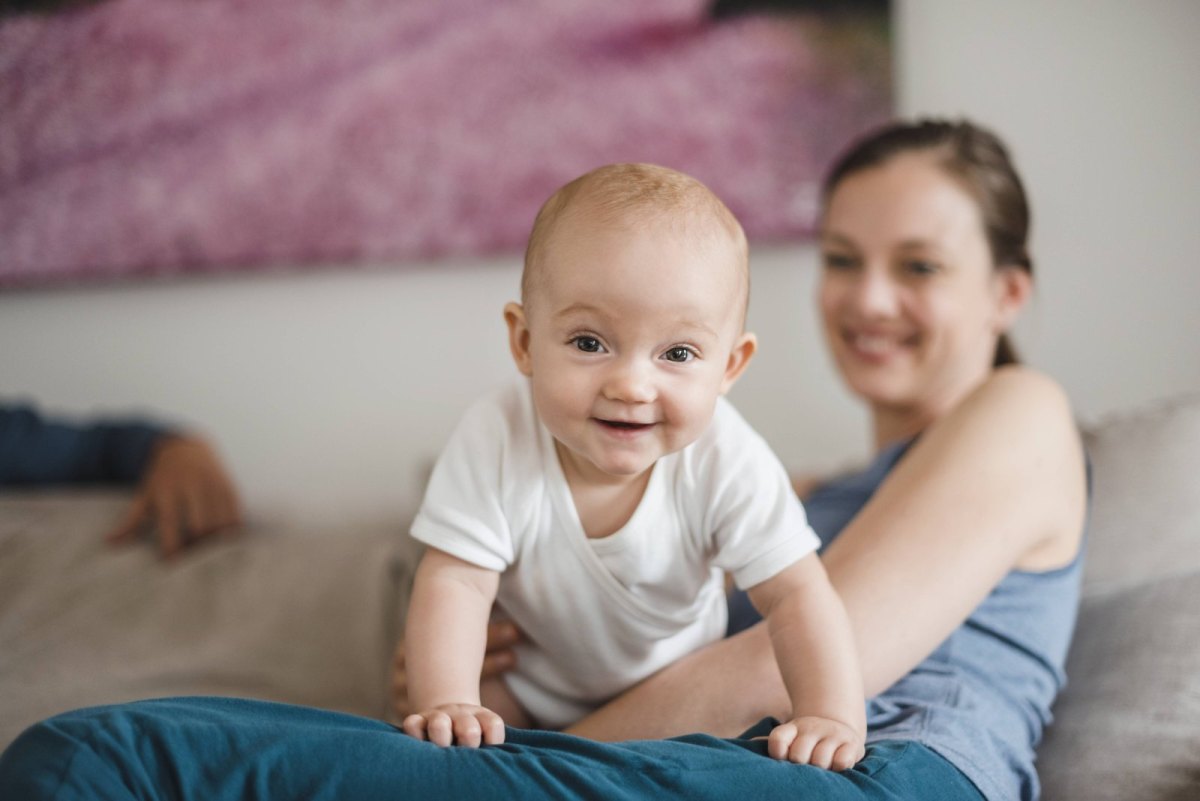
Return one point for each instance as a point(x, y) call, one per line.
point(907, 200)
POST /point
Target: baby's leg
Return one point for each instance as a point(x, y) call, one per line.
point(495, 695)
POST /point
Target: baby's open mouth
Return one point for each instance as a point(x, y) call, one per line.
point(621, 425)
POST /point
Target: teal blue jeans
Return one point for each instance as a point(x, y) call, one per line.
point(220, 749)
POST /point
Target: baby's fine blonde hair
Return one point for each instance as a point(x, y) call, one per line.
point(636, 195)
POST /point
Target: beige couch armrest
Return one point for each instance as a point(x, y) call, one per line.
point(1128, 725)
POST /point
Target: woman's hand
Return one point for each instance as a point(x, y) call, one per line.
point(822, 742)
point(498, 658)
point(185, 495)
point(469, 725)
point(804, 485)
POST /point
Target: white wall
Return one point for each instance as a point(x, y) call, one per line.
point(329, 392)
point(1100, 103)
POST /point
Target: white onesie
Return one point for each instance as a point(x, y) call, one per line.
point(601, 614)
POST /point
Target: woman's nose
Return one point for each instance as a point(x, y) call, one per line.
point(874, 295)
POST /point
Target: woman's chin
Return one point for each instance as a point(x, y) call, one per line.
point(877, 384)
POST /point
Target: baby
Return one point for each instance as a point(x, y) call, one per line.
point(600, 498)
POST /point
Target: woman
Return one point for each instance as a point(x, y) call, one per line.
point(956, 553)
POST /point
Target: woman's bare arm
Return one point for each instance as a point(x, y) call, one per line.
point(997, 483)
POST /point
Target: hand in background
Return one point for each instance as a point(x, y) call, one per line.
point(804, 485)
point(185, 495)
point(498, 659)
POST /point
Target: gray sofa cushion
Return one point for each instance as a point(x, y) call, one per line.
point(1128, 724)
point(304, 616)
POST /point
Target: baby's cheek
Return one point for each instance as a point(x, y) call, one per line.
point(691, 417)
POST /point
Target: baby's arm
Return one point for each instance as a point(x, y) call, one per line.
point(445, 636)
point(816, 654)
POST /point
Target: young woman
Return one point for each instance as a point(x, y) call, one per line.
point(956, 552)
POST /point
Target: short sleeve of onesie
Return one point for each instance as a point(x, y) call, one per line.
point(462, 513)
point(758, 524)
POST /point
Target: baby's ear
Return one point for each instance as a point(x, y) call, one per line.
point(518, 336)
point(743, 350)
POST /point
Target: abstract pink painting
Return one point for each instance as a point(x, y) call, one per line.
point(152, 137)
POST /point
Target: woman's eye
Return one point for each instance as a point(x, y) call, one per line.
point(587, 344)
point(679, 354)
point(920, 267)
point(838, 261)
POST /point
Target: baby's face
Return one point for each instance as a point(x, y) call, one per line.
point(632, 335)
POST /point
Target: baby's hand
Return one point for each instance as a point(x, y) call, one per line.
point(459, 724)
point(816, 741)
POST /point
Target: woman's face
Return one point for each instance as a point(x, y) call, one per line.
point(911, 303)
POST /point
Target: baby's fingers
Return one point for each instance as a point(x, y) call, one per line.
point(787, 742)
point(823, 752)
point(847, 756)
point(473, 727)
point(467, 730)
point(821, 742)
point(414, 726)
point(439, 728)
point(468, 726)
point(434, 726)
point(492, 726)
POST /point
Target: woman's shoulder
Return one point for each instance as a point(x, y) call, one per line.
point(1016, 413)
point(1030, 389)
point(1021, 405)
point(1018, 430)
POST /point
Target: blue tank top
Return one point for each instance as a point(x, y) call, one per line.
point(983, 697)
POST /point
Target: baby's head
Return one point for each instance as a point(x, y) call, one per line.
point(645, 198)
point(633, 303)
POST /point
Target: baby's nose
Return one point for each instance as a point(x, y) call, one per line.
point(630, 382)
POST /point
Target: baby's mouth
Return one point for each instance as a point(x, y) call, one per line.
point(621, 425)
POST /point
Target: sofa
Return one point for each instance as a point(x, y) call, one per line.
point(309, 616)
point(1127, 727)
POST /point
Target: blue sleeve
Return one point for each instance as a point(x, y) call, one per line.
point(36, 451)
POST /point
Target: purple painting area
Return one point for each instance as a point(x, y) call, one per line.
point(143, 137)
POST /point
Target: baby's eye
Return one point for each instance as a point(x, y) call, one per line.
point(587, 344)
point(680, 354)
